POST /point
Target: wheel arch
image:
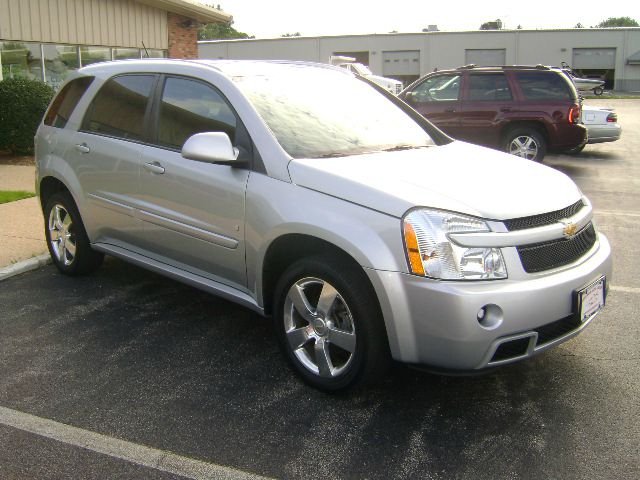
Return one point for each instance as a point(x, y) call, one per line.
point(286, 249)
point(538, 126)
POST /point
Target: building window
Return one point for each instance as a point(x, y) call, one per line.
point(59, 60)
point(89, 55)
point(21, 59)
point(154, 53)
point(125, 53)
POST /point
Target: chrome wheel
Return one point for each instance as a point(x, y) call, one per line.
point(319, 327)
point(62, 238)
point(524, 146)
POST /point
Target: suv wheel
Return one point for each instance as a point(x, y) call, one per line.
point(329, 325)
point(67, 239)
point(526, 143)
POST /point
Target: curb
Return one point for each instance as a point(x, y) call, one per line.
point(24, 266)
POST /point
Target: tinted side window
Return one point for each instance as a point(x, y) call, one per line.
point(543, 86)
point(189, 107)
point(438, 88)
point(118, 109)
point(488, 87)
point(66, 101)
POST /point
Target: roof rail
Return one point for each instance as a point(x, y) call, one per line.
point(471, 65)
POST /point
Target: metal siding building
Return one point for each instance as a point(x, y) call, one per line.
point(596, 52)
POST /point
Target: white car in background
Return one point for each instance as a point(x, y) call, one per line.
point(602, 123)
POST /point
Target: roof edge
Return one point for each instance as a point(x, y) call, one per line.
point(191, 9)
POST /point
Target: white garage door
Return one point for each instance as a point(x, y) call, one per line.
point(486, 57)
point(594, 58)
point(401, 62)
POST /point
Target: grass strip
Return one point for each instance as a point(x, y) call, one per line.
point(12, 196)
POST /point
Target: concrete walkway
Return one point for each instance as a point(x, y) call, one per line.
point(22, 233)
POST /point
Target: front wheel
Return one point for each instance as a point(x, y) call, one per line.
point(526, 143)
point(329, 324)
point(598, 91)
point(66, 237)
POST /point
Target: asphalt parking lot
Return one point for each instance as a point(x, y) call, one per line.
point(126, 374)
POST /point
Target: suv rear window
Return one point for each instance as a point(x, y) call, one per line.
point(119, 108)
point(543, 86)
point(66, 101)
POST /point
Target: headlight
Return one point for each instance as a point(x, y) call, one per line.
point(430, 252)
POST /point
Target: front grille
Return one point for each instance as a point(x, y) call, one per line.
point(539, 257)
point(549, 332)
point(523, 223)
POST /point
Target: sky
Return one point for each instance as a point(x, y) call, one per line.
point(273, 18)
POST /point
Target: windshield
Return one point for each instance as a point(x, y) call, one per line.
point(316, 112)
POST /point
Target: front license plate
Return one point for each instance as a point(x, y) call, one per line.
point(591, 299)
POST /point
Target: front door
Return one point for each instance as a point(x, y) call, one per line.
point(438, 100)
point(193, 212)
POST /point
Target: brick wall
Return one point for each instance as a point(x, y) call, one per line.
point(183, 39)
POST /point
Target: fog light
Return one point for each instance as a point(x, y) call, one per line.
point(490, 316)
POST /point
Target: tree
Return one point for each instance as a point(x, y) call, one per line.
point(578, 25)
point(288, 35)
point(618, 22)
point(495, 25)
point(218, 31)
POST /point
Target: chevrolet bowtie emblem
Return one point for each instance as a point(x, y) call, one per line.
point(569, 229)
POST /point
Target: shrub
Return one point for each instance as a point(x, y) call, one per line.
point(22, 105)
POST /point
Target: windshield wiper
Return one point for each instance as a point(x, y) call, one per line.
point(333, 155)
point(397, 148)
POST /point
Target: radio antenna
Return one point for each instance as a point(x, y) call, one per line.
point(145, 49)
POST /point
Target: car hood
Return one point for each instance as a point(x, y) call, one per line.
point(458, 177)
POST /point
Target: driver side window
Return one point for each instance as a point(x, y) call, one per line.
point(189, 107)
point(438, 88)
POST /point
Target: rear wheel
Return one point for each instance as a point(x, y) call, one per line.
point(66, 237)
point(526, 143)
point(329, 324)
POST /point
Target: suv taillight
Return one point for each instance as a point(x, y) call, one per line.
point(574, 114)
point(612, 118)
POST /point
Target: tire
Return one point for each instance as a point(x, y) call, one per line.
point(329, 325)
point(598, 91)
point(66, 237)
point(526, 143)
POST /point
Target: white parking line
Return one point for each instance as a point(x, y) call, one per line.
point(616, 288)
point(131, 452)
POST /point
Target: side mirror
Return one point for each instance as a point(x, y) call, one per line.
point(210, 147)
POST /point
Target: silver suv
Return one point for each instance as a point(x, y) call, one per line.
point(318, 199)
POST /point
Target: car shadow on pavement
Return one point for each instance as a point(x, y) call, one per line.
point(134, 355)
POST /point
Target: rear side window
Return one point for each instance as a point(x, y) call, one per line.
point(189, 107)
point(119, 108)
point(489, 87)
point(543, 86)
point(66, 101)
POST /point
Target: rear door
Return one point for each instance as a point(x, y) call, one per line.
point(438, 99)
point(486, 106)
point(193, 212)
point(105, 156)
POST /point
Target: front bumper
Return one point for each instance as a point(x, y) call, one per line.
point(435, 323)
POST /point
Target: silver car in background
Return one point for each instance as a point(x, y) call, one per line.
point(318, 199)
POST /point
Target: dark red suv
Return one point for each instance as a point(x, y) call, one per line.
point(522, 110)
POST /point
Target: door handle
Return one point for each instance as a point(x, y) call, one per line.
point(154, 167)
point(83, 148)
point(450, 110)
point(505, 109)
